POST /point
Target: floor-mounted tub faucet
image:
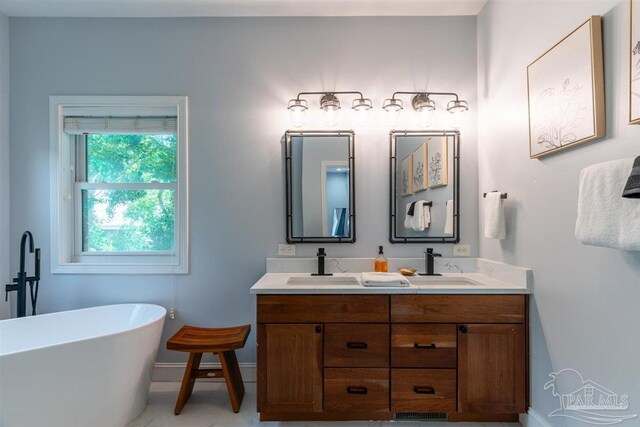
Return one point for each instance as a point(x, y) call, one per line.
point(429, 255)
point(321, 256)
point(20, 282)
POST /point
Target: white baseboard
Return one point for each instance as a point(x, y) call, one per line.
point(173, 372)
point(533, 419)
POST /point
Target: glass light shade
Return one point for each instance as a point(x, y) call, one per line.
point(297, 117)
point(297, 111)
point(362, 107)
point(424, 118)
point(330, 117)
point(457, 106)
point(393, 107)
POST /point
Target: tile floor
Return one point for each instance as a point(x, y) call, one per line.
point(209, 407)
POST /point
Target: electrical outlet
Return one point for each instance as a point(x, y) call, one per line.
point(461, 250)
point(286, 250)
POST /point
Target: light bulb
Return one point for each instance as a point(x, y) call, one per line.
point(361, 107)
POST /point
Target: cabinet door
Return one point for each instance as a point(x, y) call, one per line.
point(491, 369)
point(290, 368)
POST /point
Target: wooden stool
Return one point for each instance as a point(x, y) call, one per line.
point(220, 341)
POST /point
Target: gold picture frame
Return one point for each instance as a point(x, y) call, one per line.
point(634, 66)
point(567, 110)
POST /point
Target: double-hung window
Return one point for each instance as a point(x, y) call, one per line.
point(119, 185)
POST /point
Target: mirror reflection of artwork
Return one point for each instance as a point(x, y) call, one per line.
point(420, 181)
point(406, 176)
point(437, 162)
point(566, 92)
point(634, 72)
point(320, 186)
point(441, 225)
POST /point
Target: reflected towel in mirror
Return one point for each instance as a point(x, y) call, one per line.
point(418, 215)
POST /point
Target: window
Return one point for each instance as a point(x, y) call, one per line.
point(120, 179)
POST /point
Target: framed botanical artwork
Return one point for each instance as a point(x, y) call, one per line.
point(406, 176)
point(634, 62)
point(420, 181)
point(437, 162)
point(566, 92)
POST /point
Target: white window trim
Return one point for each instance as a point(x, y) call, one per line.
point(63, 260)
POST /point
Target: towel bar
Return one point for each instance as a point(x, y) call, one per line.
point(502, 196)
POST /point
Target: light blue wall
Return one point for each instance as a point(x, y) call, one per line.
point(4, 159)
point(585, 312)
point(239, 74)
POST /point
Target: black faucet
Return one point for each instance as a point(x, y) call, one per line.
point(429, 255)
point(20, 282)
point(321, 256)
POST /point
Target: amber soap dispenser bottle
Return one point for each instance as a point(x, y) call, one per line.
point(381, 265)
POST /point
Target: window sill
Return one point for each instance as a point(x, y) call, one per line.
point(78, 268)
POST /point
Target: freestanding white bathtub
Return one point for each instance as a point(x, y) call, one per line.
point(80, 368)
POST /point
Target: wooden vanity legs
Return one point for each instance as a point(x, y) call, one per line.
point(220, 341)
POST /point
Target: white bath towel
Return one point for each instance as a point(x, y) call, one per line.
point(605, 218)
point(494, 225)
point(421, 217)
point(448, 225)
point(384, 279)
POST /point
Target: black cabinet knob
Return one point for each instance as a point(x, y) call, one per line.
point(462, 329)
point(318, 329)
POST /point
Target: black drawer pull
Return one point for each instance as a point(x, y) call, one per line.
point(357, 390)
point(424, 390)
point(424, 346)
point(357, 345)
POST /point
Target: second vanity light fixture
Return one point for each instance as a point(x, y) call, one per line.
point(423, 105)
point(329, 103)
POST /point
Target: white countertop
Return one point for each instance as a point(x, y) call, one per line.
point(448, 283)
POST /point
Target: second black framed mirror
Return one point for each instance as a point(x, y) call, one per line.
point(424, 191)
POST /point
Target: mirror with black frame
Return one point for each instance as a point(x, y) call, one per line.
point(320, 187)
point(425, 187)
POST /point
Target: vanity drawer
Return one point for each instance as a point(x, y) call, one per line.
point(356, 390)
point(423, 346)
point(423, 390)
point(323, 308)
point(357, 345)
point(458, 308)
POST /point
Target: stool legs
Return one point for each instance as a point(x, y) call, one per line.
point(188, 380)
point(233, 378)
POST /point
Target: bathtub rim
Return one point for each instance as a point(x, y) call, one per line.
point(164, 314)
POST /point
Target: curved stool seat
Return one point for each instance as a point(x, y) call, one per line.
point(220, 341)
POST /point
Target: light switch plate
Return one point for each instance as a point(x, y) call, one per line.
point(286, 250)
point(461, 250)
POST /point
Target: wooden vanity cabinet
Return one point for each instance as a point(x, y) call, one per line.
point(373, 357)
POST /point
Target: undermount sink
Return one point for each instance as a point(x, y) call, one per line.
point(322, 280)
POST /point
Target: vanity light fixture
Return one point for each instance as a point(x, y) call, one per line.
point(329, 103)
point(423, 105)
